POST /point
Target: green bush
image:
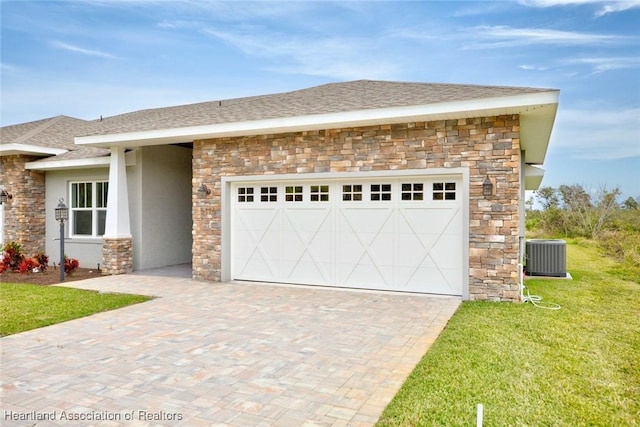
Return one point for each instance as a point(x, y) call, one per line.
point(624, 247)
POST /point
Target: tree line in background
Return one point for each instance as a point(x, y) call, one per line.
point(569, 211)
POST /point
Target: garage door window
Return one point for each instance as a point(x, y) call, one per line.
point(268, 194)
point(413, 191)
point(293, 193)
point(352, 193)
point(380, 192)
point(444, 191)
point(245, 194)
point(319, 193)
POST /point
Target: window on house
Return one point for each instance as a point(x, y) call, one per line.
point(444, 191)
point(293, 193)
point(88, 208)
point(413, 191)
point(352, 192)
point(245, 194)
point(319, 193)
point(268, 194)
point(380, 192)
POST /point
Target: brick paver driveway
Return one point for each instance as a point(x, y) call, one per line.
point(206, 354)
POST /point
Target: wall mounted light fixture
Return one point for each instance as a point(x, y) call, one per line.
point(203, 190)
point(5, 196)
point(487, 187)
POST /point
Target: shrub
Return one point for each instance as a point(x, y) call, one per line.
point(70, 264)
point(13, 256)
point(624, 247)
point(42, 260)
point(27, 265)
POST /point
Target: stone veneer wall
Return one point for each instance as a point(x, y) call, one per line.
point(117, 255)
point(488, 146)
point(24, 215)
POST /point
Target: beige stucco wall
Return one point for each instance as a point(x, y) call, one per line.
point(161, 207)
point(87, 250)
point(487, 146)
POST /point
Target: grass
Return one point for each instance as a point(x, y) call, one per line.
point(578, 366)
point(24, 307)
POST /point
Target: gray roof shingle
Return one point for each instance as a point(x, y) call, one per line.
point(328, 98)
point(59, 132)
point(54, 132)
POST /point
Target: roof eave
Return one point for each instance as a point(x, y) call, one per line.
point(518, 104)
point(15, 149)
point(84, 163)
point(532, 177)
point(535, 132)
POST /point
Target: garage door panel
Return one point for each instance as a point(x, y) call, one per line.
point(428, 280)
point(257, 220)
point(367, 222)
point(258, 266)
point(425, 220)
point(446, 253)
point(365, 274)
point(307, 269)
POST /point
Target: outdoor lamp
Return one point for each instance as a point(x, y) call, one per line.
point(62, 215)
point(203, 190)
point(62, 211)
point(4, 197)
point(487, 187)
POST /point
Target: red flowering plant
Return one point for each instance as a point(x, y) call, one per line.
point(27, 265)
point(70, 264)
point(12, 256)
point(42, 260)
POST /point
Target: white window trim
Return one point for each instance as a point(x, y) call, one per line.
point(93, 209)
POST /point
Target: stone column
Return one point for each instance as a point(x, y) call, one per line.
point(117, 248)
point(24, 214)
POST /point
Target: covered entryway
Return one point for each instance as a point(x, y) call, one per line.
point(401, 233)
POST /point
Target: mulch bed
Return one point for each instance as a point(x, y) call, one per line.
point(49, 277)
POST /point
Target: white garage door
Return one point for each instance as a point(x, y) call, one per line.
point(403, 234)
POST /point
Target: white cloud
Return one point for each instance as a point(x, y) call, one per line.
point(618, 6)
point(77, 49)
point(603, 64)
point(7, 68)
point(336, 57)
point(605, 6)
point(595, 134)
point(505, 36)
point(532, 67)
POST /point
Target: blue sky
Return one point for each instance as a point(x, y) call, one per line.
point(90, 58)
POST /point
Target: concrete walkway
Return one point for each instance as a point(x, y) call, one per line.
point(237, 354)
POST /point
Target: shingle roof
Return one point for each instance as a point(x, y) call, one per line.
point(54, 132)
point(328, 98)
point(59, 132)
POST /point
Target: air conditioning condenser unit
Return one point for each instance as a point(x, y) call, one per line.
point(546, 258)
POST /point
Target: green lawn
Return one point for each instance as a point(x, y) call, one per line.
point(578, 366)
point(24, 307)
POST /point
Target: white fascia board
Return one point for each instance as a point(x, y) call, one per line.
point(443, 111)
point(89, 163)
point(535, 132)
point(34, 150)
